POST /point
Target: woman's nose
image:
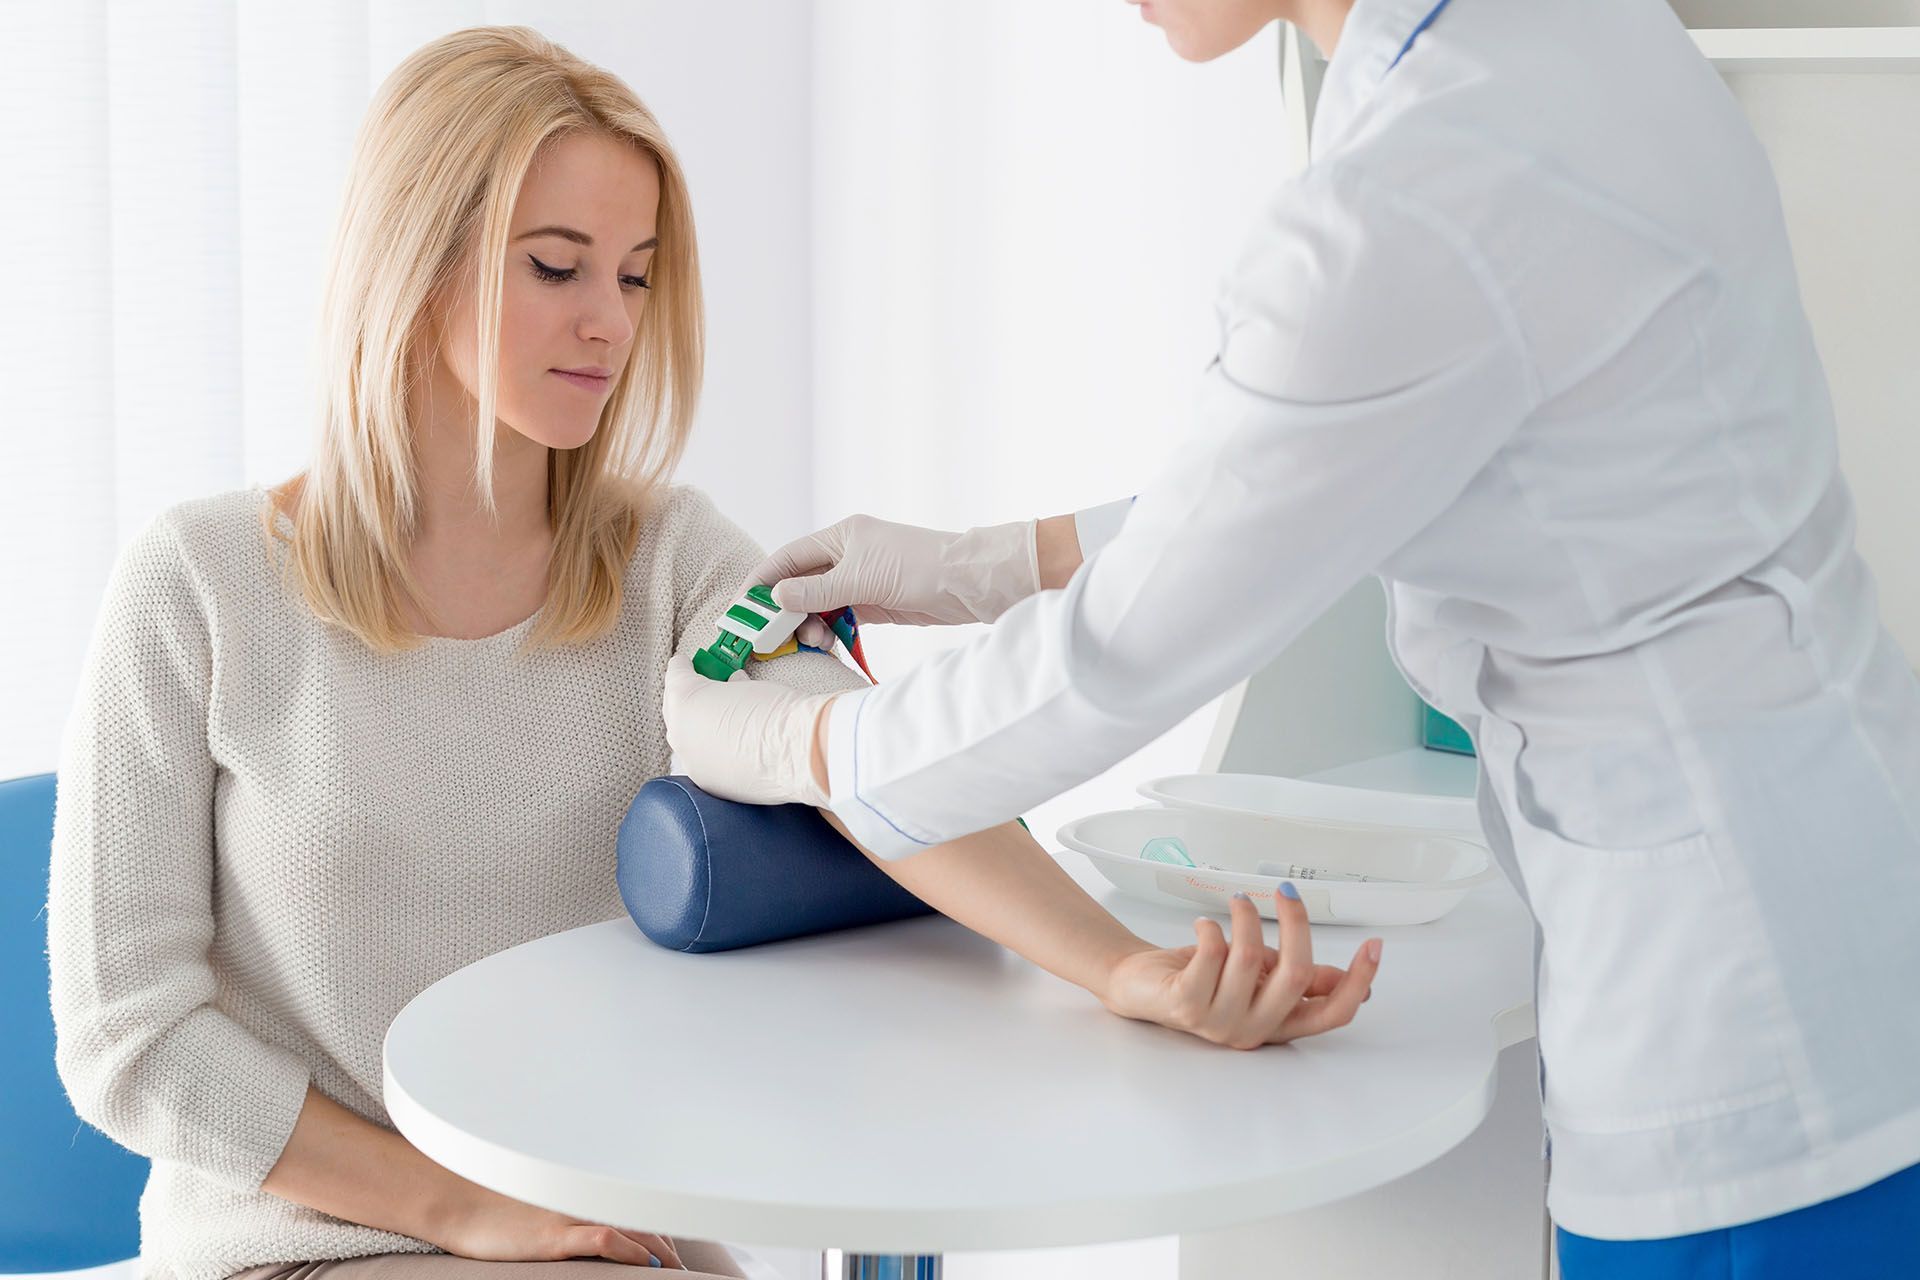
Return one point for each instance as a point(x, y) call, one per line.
point(605, 316)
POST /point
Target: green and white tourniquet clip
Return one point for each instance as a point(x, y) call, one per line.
point(755, 625)
point(752, 624)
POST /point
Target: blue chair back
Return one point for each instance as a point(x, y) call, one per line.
point(69, 1196)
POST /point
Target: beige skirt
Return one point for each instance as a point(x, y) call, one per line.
point(704, 1261)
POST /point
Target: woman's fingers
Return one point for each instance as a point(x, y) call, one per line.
point(1201, 977)
point(1325, 978)
point(1336, 1009)
point(1295, 971)
point(662, 1249)
point(636, 1248)
point(1239, 973)
point(593, 1240)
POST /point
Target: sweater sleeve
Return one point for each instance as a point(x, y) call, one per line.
point(715, 557)
point(145, 1054)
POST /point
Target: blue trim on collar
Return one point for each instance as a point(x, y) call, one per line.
point(1424, 24)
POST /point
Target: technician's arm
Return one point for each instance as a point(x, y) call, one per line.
point(1369, 372)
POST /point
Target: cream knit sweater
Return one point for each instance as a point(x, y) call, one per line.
point(268, 839)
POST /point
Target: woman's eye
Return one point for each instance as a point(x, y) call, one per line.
point(556, 275)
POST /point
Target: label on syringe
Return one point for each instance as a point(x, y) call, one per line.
point(1294, 871)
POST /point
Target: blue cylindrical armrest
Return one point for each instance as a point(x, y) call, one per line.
point(699, 873)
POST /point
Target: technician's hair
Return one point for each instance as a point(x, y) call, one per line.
point(437, 167)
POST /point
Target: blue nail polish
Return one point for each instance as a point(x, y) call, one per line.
point(652, 1261)
point(1243, 897)
point(1286, 887)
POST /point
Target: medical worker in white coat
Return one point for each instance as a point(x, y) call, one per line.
point(1525, 341)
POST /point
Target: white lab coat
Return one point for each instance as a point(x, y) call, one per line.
point(1525, 340)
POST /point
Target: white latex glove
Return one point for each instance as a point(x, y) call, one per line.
point(902, 573)
point(746, 740)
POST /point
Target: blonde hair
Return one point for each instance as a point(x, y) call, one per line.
point(437, 167)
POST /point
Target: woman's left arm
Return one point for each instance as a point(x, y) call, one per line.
point(1240, 993)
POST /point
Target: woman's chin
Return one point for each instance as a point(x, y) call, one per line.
point(559, 432)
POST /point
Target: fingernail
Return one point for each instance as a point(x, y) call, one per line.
point(652, 1261)
point(1373, 950)
point(1286, 888)
point(1241, 897)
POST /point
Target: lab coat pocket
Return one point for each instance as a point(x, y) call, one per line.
point(1639, 978)
point(1641, 968)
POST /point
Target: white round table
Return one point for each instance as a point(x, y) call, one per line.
point(913, 1089)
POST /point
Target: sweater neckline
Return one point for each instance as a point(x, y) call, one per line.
point(497, 638)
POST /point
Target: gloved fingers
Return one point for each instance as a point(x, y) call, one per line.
point(679, 672)
point(809, 554)
point(816, 633)
point(818, 592)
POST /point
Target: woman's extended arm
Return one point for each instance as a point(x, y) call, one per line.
point(1003, 886)
point(1233, 991)
point(1239, 992)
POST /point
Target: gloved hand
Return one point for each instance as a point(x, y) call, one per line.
point(901, 573)
point(745, 740)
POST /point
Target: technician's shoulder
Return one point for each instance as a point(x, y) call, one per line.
point(1346, 285)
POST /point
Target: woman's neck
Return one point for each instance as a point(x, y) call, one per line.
point(448, 510)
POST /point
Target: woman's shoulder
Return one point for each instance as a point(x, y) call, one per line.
point(671, 512)
point(681, 525)
point(210, 547)
point(189, 565)
point(216, 531)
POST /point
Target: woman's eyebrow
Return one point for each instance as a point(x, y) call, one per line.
point(580, 237)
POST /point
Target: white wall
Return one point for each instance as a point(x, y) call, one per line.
point(1842, 147)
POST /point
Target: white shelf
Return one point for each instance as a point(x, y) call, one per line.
point(1419, 771)
point(1878, 49)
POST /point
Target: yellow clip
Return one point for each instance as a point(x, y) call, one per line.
point(791, 646)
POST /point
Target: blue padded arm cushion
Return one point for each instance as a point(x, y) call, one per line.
point(699, 873)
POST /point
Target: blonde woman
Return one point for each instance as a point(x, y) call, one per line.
point(340, 738)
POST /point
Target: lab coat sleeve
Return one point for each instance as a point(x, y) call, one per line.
point(1369, 368)
point(1095, 527)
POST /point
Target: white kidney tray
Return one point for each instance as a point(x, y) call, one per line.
point(1424, 874)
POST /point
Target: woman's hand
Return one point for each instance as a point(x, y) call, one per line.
point(1243, 994)
point(490, 1227)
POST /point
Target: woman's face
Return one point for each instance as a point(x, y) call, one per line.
point(1202, 30)
point(574, 294)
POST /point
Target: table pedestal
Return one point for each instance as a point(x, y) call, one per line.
point(837, 1264)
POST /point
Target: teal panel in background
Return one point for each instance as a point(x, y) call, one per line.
point(1442, 734)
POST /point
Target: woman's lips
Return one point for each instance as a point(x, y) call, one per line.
point(584, 381)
